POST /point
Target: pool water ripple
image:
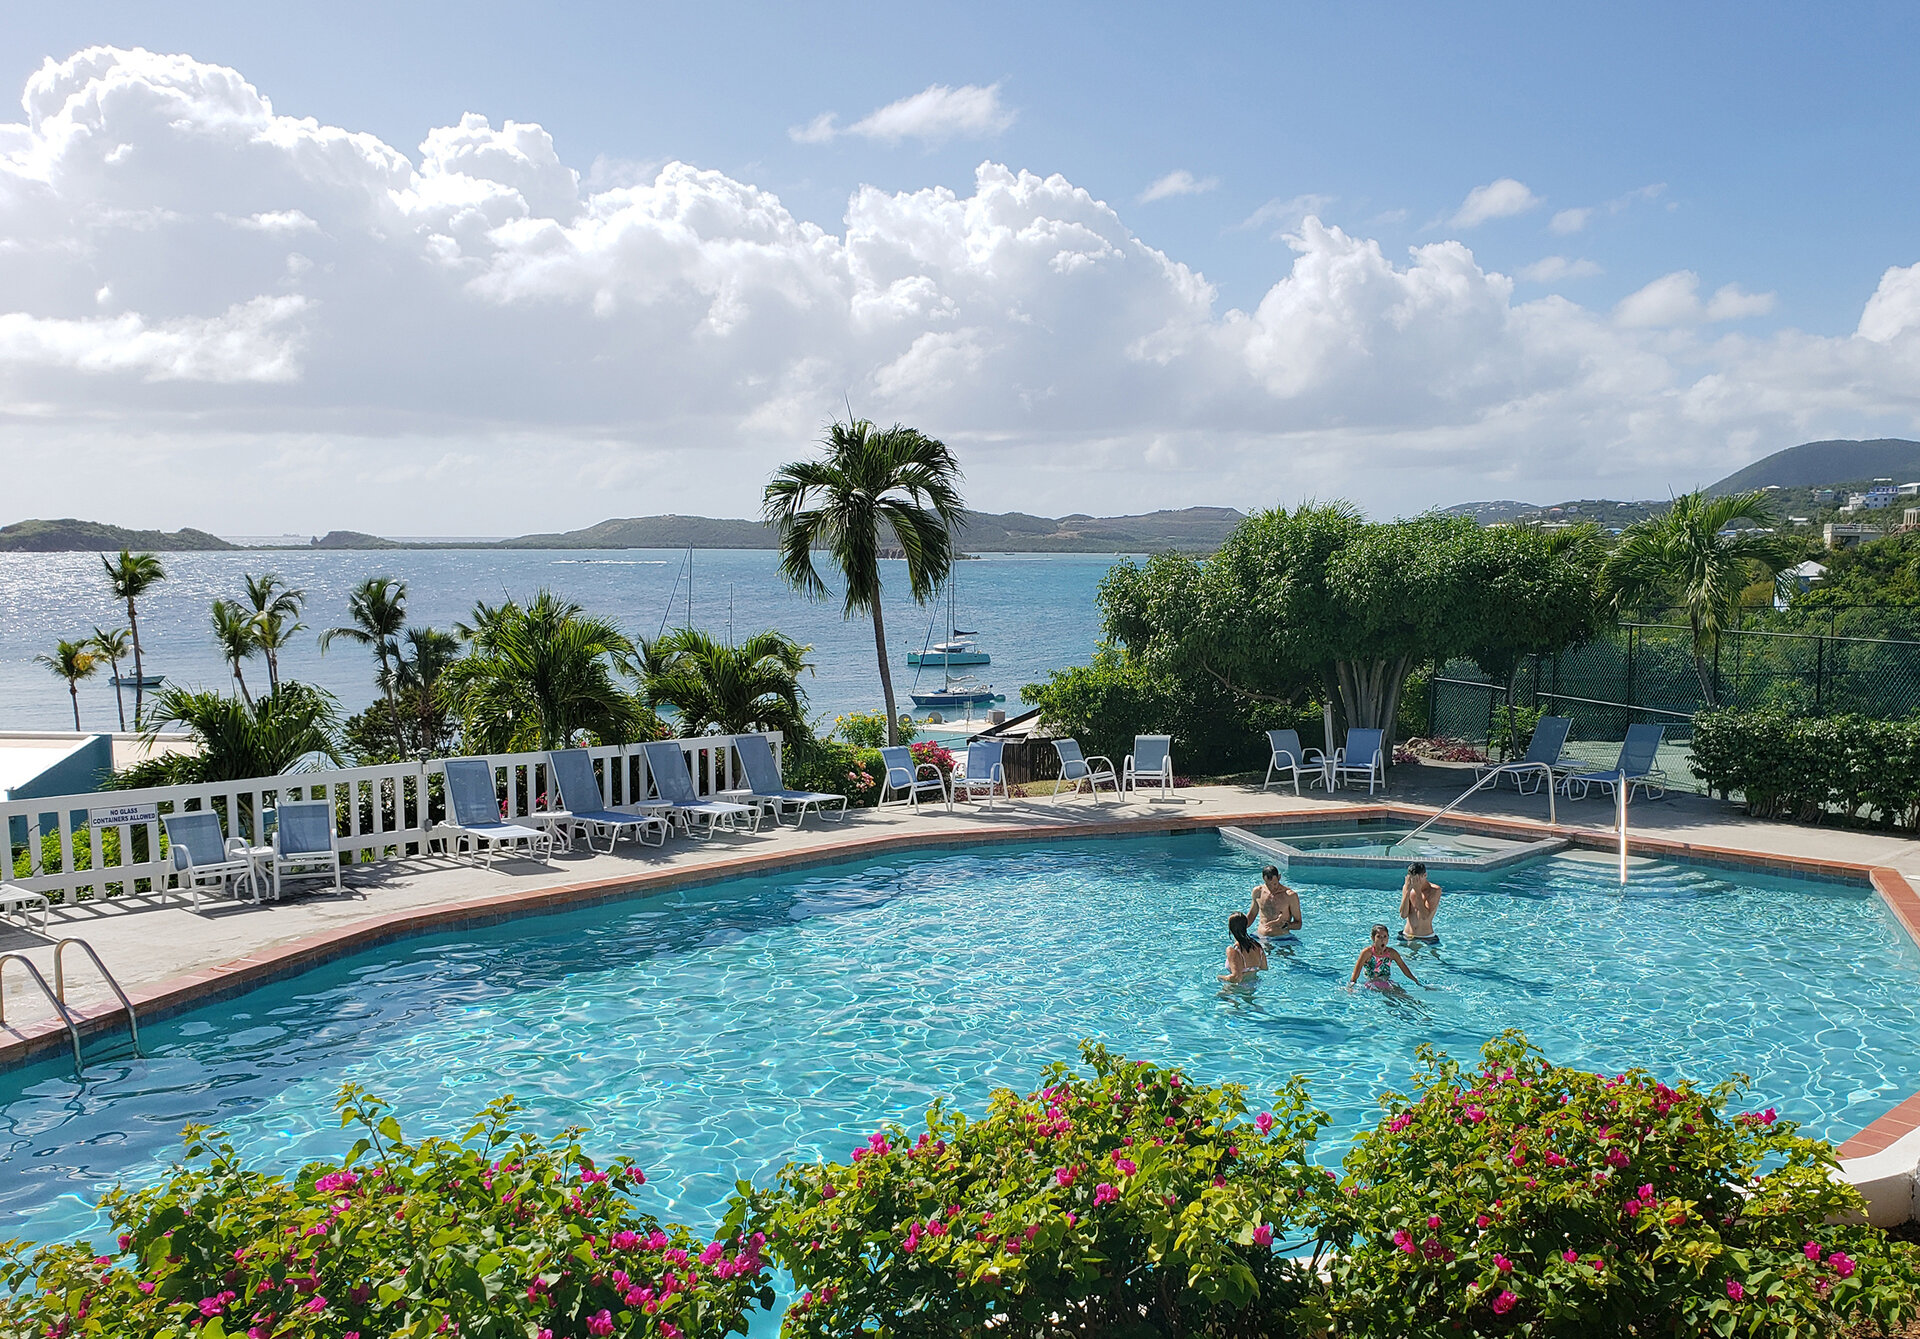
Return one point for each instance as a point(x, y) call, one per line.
point(716, 1032)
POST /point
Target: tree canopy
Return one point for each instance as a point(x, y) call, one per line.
point(1319, 598)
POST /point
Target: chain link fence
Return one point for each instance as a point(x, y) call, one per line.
point(1645, 672)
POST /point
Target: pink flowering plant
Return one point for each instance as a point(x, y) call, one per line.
point(497, 1235)
point(1525, 1198)
point(932, 751)
point(1126, 1200)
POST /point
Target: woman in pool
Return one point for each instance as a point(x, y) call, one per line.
point(1245, 955)
point(1377, 960)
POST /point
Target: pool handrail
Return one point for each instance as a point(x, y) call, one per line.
point(60, 983)
point(59, 1008)
point(1461, 798)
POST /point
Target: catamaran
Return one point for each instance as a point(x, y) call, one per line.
point(960, 690)
point(958, 649)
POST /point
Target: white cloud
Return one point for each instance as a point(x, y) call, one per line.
point(1287, 213)
point(1549, 269)
point(934, 115)
point(1178, 182)
point(1674, 300)
point(658, 341)
point(1569, 221)
point(1496, 200)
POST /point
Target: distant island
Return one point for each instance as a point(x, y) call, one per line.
point(1807, 483)
point(1190, 530)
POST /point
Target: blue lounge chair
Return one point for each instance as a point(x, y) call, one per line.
point(205, 857)
point(985, 772)
point(583, 809)
point(1548, 742)
point(909, 779)
point(1363, 755)
point(763, 777)
point(473, 816)
point(1638, 766)
point(697, 817)
point(1150, 761)
point(303, 843)
point(1075, 767)
point(1289, 760)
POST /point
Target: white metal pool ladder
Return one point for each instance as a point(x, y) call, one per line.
point(56, 994)
point(1509, 769)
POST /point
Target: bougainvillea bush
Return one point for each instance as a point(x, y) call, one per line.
point(495, 1236)
point(1123, 1201)
point(1524, 1198)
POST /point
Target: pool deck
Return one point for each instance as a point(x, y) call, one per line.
point(170, 958)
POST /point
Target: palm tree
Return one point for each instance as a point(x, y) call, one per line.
point(378, 610)
point(72, 661)
point(276, 616)
point(239, 740)
point(238, 636)
point(112, 643)
point(417, 682)
point(544, 673)
point(868, 481)
point(752, 686)
point(130, 576)
point(1688, 558)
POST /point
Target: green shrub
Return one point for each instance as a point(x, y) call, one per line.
point(1791, 766)
point(1508, 736)
point(495, 1236)
point(1105, 704)
point(1125, 1201)
point(1525, 1198)
point(868, 729)
point(828, 765)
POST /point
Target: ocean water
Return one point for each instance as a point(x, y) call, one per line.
point(1034, 613)
point(717, 1032)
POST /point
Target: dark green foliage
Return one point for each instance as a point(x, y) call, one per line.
point(834, 766)
point(238, 740)
point(1809, 768)
point(735, 688)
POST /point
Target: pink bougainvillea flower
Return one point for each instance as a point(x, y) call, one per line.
point(1482, 1221)
point(602, 1324)
point(1812, 1251)
point(1103, 1192)
point(1126, 1166)
point(1842, 1264)
point(1433, 1222)
point(1399, 1123)
point(1064, 1175)
point(1404, 1240)
point(1570, 1256)
point(1645, 1192)
point(1734, 1290)
point(1263, 1235)
point(1504, 1303)
point(1264, 1121)
point(1501, 1263)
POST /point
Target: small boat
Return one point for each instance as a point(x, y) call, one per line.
point(958, 649)
point(961, 652)
point(960, 690)
point(146, 683)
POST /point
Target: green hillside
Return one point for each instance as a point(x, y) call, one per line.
point(71, 536)
point(1825, 464)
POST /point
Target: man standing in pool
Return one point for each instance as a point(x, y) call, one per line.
point(1419, 900)
point(1276, 907)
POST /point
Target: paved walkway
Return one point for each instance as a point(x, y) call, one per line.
point(163, 953)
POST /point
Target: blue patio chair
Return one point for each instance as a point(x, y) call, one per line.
point(1151, 761)
point(1289, 760)
point(303, 845)
point(764, 779)
point(985, 772)
point(1363, 755)
point(204, 857)
point(1638, 765)
point(1544, 749)
point(473, 816)
point(584, 812)
point(910, 779)
point(1076, 767)
point(673, 783)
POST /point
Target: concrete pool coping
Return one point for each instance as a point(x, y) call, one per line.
point(1882, 1159)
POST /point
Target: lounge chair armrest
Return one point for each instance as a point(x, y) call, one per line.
point(900, 772)
point(182, 858)
point(236, 847)
point(1099, 757)
point(1317, 755)
point(925, 767)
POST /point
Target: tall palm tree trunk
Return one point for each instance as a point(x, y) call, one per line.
point(139, 675)
point(119, 696)
point(393, 707)
point(886, 675)
point(73, 687)
point(241, 679)
point(1700, 670)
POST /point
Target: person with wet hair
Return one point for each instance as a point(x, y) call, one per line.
point(1419, 900)
point(1275, 908)
point(1246, 956)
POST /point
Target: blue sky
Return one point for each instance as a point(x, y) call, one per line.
point(1764, 151)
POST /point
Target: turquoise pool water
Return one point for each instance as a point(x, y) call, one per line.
point(716, 1032)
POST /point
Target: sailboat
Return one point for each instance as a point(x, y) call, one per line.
point(958, 649)
point(959, 690)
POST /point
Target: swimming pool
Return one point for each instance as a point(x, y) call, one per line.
point(717, 1031)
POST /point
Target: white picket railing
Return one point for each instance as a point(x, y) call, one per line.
point(382, 813)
